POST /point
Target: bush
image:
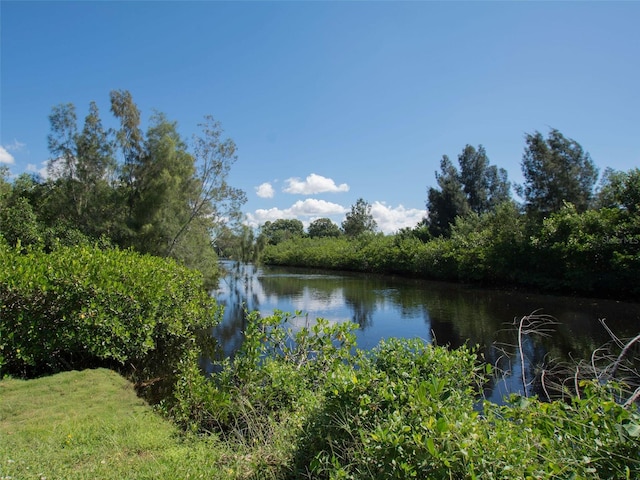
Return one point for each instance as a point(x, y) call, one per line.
point(406, 409)
point(77, 306)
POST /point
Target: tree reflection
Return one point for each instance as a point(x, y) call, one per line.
point(450, 314)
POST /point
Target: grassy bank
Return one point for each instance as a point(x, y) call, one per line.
point(92, 425)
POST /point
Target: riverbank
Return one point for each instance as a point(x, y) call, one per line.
point(591, 253)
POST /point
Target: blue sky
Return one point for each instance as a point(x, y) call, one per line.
point(329, 102)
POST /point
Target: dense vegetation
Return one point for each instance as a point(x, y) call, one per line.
point(566, 235)
point(149, 191)
point(596, 252)
point(317, 407)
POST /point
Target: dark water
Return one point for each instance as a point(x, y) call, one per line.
point(443, 313)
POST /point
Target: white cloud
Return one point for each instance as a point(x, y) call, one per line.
point(307, 209)
point(314, 184)
point(265, 190)
point(314, 207)
point(390, 220)
point(263, 215)
point(5, 156)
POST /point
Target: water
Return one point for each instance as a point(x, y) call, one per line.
point(438, 312)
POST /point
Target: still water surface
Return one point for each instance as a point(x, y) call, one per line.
point(443, 313)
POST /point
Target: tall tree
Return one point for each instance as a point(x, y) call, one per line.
point(359, 220)
point(129, 138)
point(556, 170)
point(81, 166)
point(95, 169)
point(164, 184)
point(485, 185)
point(448, 201)
point(213, 197)
point(62, 141)
point(478, 187)
point(96, 162)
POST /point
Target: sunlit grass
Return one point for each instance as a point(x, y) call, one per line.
point(91, 424)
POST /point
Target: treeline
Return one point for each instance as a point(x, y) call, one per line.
point(151, 191)
point(569, 234)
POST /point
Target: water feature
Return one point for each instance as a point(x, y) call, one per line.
point(444, 313)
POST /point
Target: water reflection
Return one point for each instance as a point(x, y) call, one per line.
point(446, 314)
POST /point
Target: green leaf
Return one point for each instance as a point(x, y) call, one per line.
point(633, 429)
point(431, 447)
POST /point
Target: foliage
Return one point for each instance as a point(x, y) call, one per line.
point(162, 198)
point(79, 306)
point(406, 409)
point(281, 230)
point(477, 188)
point(19, 224)
point(359, 220)
point(447, 202)
point(323, 227)
point(620, 190)
point(556, 170)
point(596, 252)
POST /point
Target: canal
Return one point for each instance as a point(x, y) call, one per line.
point(441, 313)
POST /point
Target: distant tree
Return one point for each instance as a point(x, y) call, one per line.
point(239, 244)
point(556, 170)
point(444, 204)
point(485, 185)
point(164, 183)
point(80, 170)
point(5, 186)
point(129, 137)
point(478, 187)
point(620, 190)
point(62, 141)
point(323, 227)
point(281, 230)
point(359, 220)
point(214, 197)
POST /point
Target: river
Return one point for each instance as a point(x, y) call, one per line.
point(441, 313)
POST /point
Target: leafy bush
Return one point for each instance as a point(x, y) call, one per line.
point(79, 305)
point(598, 250)
point(277, 369)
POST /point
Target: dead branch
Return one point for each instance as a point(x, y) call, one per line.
point(622, 355)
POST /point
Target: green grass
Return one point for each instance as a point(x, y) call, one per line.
point(91, 425)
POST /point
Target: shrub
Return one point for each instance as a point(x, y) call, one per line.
point(76, 306)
